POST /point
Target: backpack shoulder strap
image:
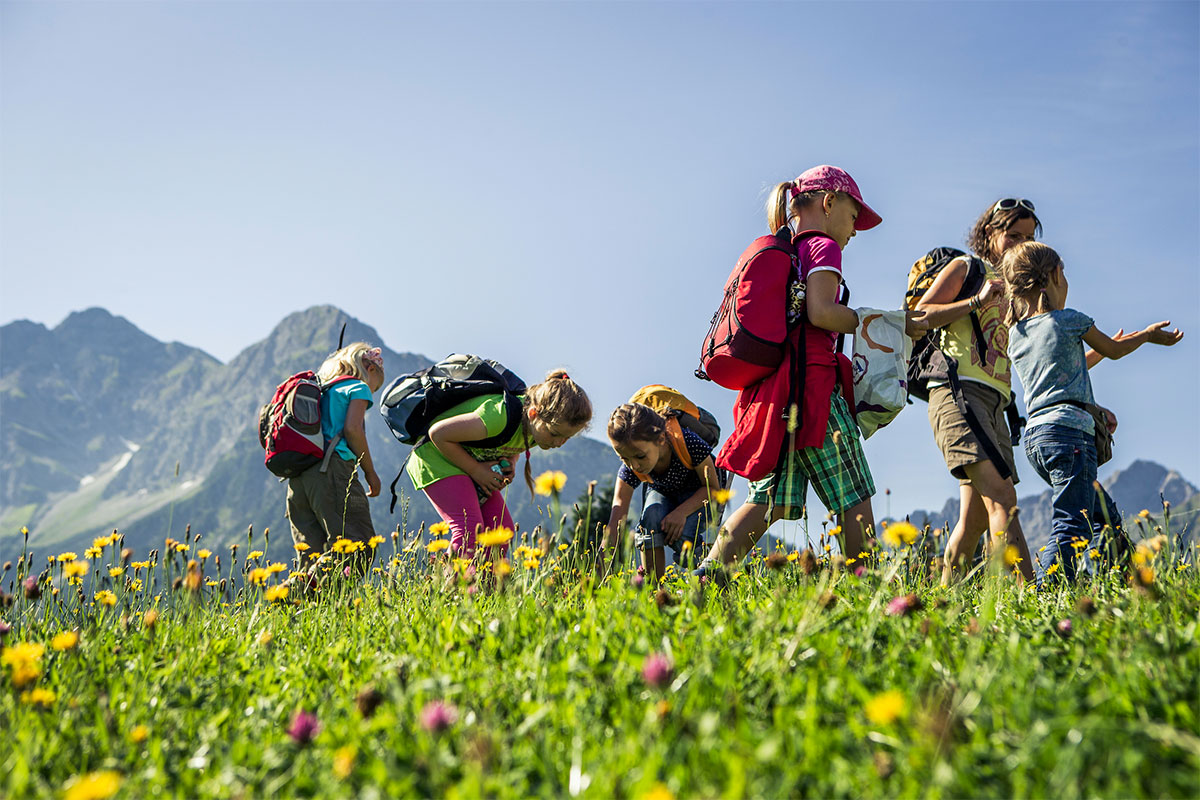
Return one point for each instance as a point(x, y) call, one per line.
point(678, 443)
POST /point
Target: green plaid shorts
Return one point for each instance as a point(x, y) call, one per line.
point(838, 472)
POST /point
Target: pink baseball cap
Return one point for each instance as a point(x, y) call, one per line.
point(835, 179)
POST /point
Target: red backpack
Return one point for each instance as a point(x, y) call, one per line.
point(289, 427)
point(748, 333)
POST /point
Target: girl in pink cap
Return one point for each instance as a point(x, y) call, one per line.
point(815, 216)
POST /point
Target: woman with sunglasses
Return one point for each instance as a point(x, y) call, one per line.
point(977, 445)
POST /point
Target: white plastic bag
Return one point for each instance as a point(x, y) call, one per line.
point(881, 352)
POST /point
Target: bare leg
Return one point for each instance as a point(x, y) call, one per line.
point(740, 533)
point(654, 560)
point(999, 498)
point(856, 522)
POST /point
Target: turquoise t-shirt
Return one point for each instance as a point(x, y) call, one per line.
point(335, 401)
point(427, 464)
point(1047, 353)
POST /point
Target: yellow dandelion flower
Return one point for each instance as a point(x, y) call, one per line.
point(792, 556)
point(203, 554)
point(562, 548)
point(502, 568)
point(1012, 556)
point(439, 528)
point(259, 575)
point(1146, 576)
point(1053, 568)
point(116, 572)
point(1144, 513)
point(105, 597)
point(530, 563)
point(92, 552)
point(39, 697)
point(687, 545)
point(276, 593)
point(657, 792)
point(254, 554)
point(721, 496)
point(494, 537)
point(343, 760)
point(140, 565)
point(211, 582)
point(274, 569)
point(375, 541)
point(900, 534)
point(93, 786)
point(66, 557)
point(299, 547)
point(139, 734)
point(1143, 555)
point(885, 708)
point(24, 661)
point(75, 569)
point(437, 544)
point(549, 482)
point(265, 638)
point(65, 640)
point(182, 548)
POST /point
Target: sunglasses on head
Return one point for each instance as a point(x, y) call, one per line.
point(1009, 203)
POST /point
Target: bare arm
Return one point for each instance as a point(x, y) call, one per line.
point(1122, 345)
point(824, 310)
point(622, 495)
point(355, 433)
point(672, 523)
point(938, 302)
point(446, 436)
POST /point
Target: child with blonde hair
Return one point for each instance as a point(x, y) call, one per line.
point(458, 478)
point(326, 502)
point(1046, 347)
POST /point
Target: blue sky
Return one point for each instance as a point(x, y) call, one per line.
point(570, 183)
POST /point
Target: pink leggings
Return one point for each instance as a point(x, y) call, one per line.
point(456, 501)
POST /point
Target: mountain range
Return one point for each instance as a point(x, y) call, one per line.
point(104, 427)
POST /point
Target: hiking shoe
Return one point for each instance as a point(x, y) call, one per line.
point(712, 572)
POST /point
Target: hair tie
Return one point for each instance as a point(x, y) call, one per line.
point(565, 377)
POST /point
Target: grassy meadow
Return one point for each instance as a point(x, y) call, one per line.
point(193, 673)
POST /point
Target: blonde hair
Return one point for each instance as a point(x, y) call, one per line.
point(635, 422)
point(1027, 269)
point(347, 361)
point(783, 206)
point(558, 401)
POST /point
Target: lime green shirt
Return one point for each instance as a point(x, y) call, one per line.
point(958, 342)
point(427, 464)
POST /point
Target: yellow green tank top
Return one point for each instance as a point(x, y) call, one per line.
point(958, 342)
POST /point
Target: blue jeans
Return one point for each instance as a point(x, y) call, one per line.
point(649, 533)
point(1066, 459)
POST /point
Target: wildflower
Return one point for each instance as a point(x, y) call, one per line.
point(657, 792)
point(1063, 628)
point(437, 544)
point(203, 554)
point(904, 605)
point(304, 727)
point(139, 565)
point(183, 548)
point(550, 482)
point(116, 572)
point(39, 697)
point(299, 547)
point(343, 760)
point(1053, 568)
point(276, 568)
point(502, 568)
point(900, 534)
point(439, 528)
point(657, 670)
point(258, 575)
point(75, 569)
point(93, 786)
point(105, 597)
point(65, 640)
point(1144, 513)
point(638, 581)
point(495, 536)
point(530, 563)
point(66, 557)
point(721, 496)
point(24, 661)
point(264, 638)
point(276, 593)
point(437, 716)
point(139, 734)
point(1012, 556)
point(562, 548)
point(1156, 543)
point(92, 552)
point(150, 619)
point(259, 553)
point(885, 708)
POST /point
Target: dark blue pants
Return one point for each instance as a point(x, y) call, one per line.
point(649, 532)
point(1066, 459)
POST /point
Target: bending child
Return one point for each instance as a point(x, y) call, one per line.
point(328, 503)
point(1046, 347)
point(680, 481)
point(458, 478)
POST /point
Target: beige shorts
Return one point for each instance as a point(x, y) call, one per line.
point(953, 436)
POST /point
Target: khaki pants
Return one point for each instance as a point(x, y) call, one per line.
point(323, 507)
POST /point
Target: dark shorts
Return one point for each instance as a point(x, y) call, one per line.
point(323, 507)
point(953, 436)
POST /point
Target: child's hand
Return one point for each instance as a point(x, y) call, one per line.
point(915, 325)
point(373, 484)
point(672, 526)
point(487, 480)
point(1157, 334)
point(1110, 418)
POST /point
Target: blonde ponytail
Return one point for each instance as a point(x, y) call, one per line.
point(777, 206)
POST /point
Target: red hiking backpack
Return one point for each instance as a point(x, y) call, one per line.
point(289, 427)
point(748, 334)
